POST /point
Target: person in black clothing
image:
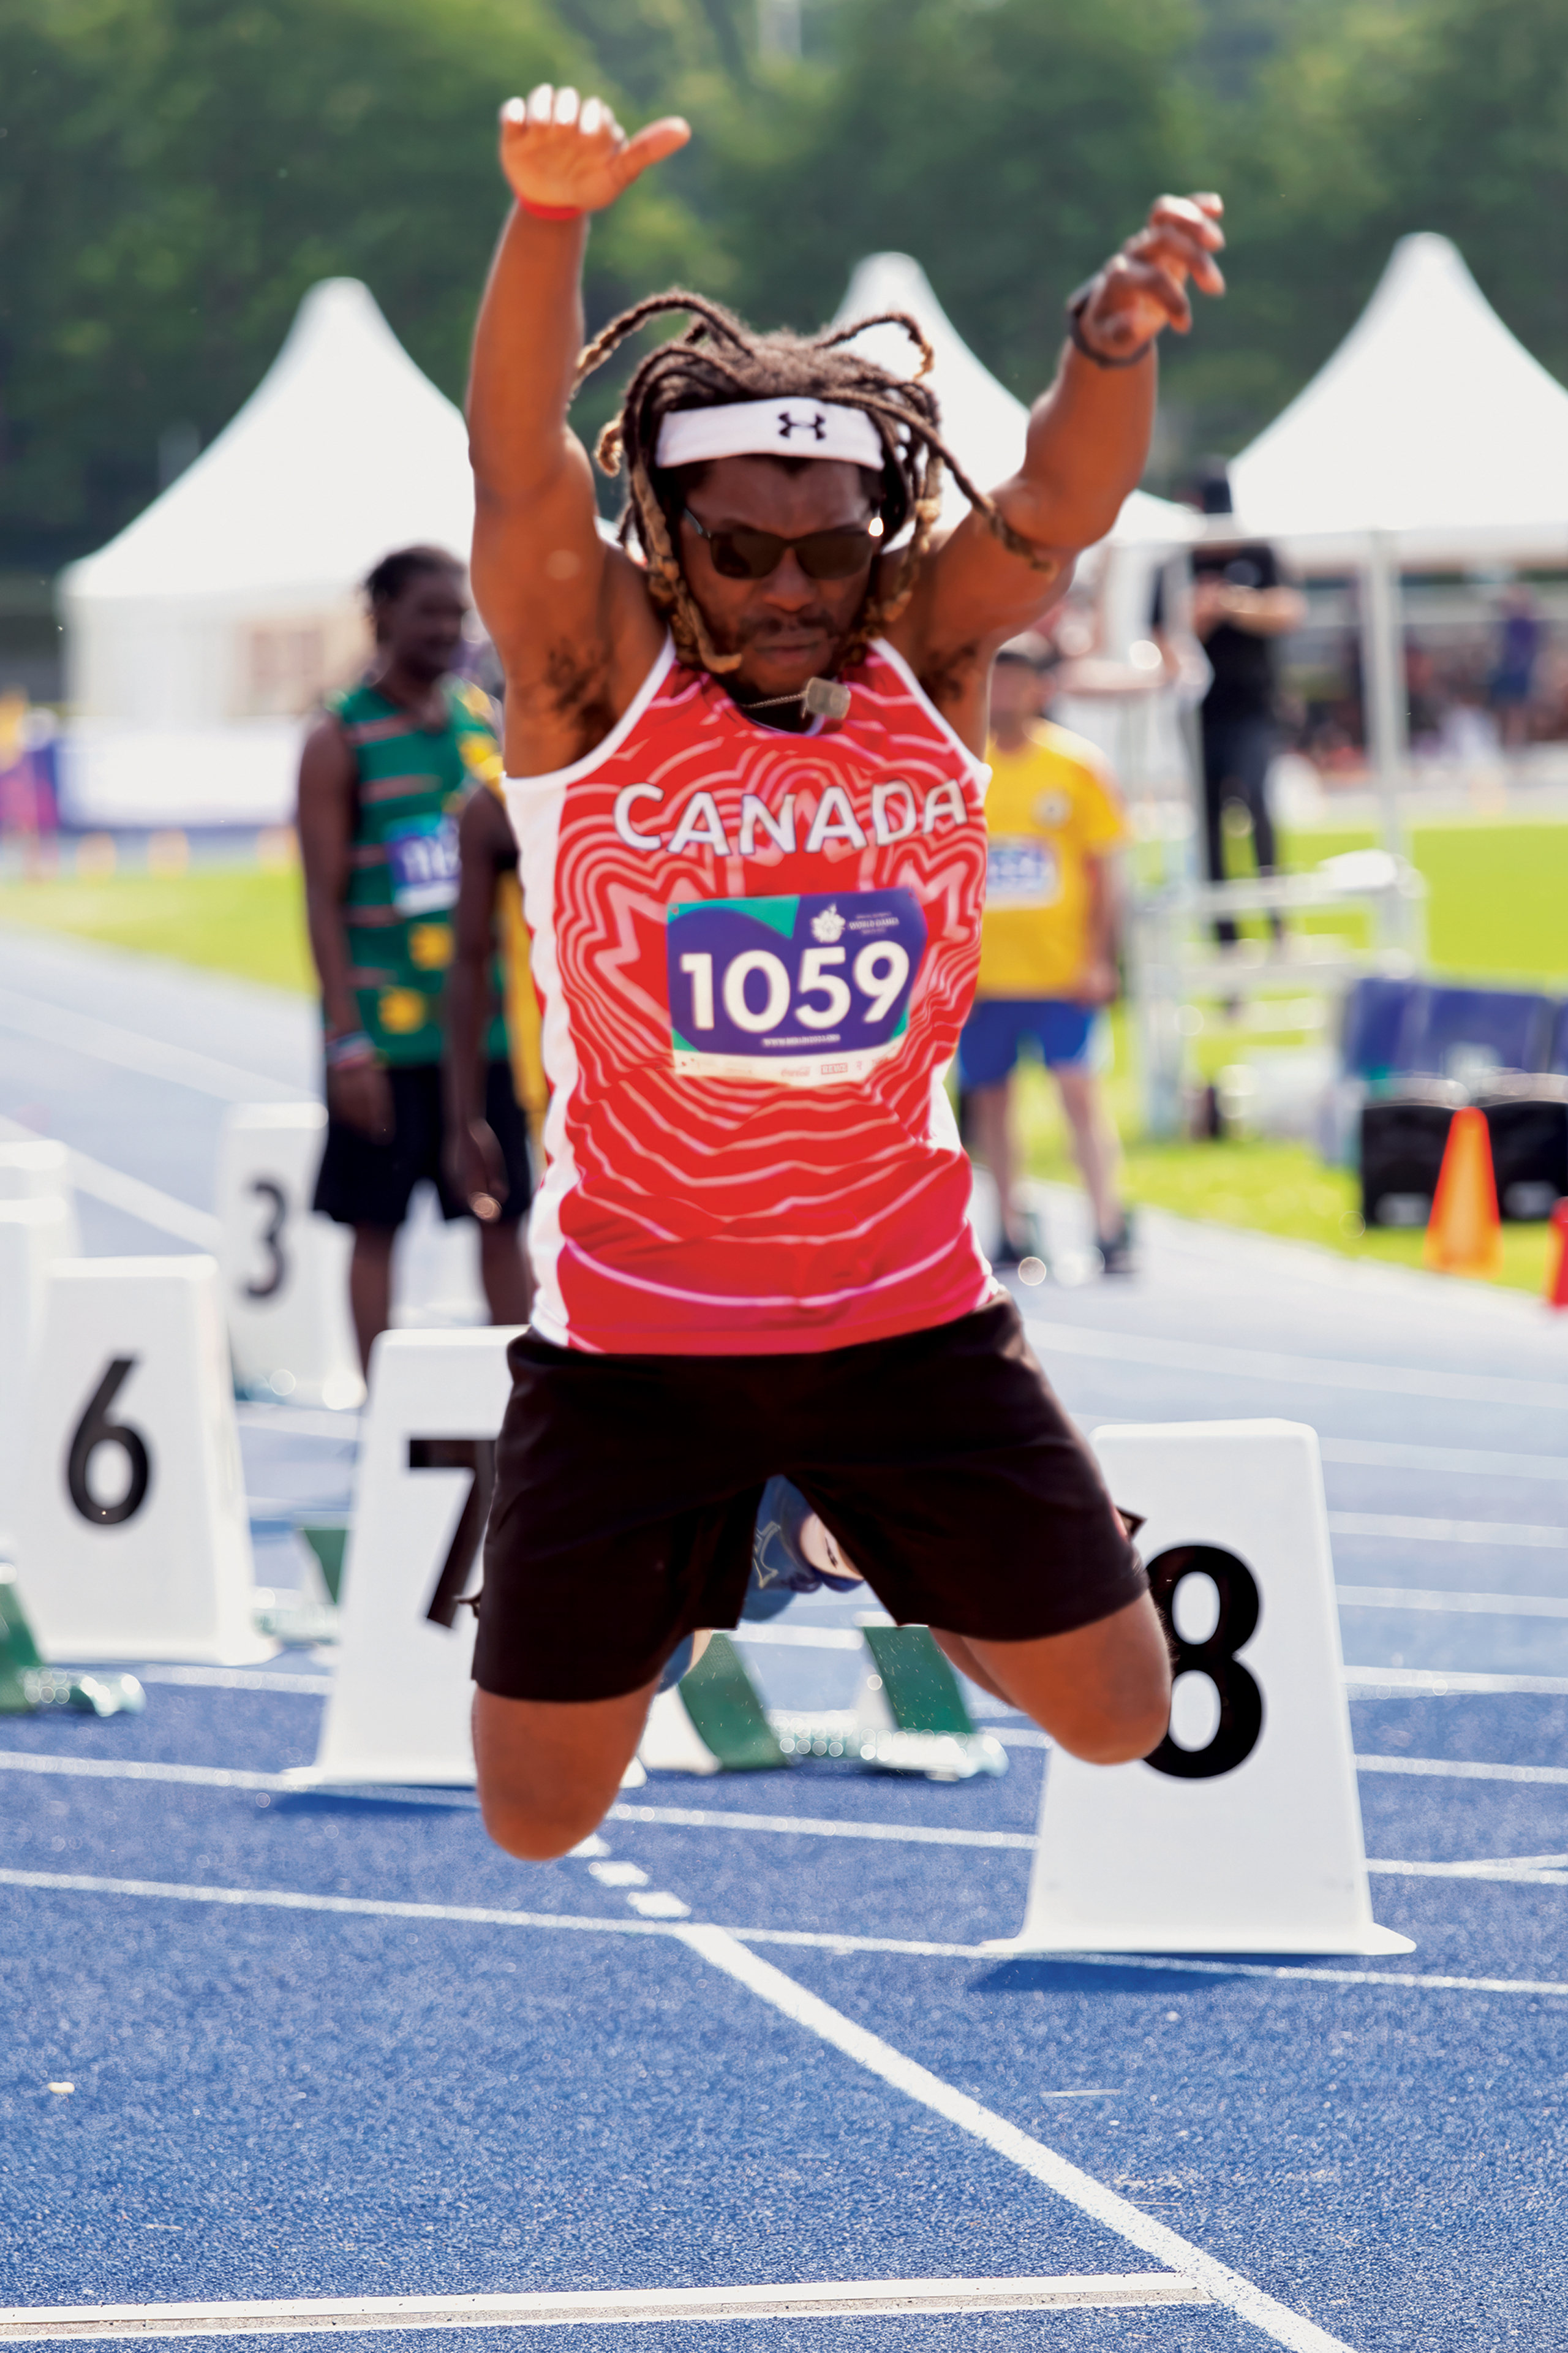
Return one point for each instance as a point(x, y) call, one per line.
point(1241, 603)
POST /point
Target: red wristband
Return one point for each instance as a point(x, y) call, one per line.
point(551, 212)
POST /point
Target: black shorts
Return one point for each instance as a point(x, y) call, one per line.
point(626, 1488)
point(362, 1182)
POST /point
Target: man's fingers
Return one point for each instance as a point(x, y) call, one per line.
point(592, 118)
point(651, 145)
point(540, 103)
point(1190, 213)
point(566, 107)
point(1157, 284)
point(1180, 251)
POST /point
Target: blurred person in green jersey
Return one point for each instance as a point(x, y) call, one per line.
point(384, 777)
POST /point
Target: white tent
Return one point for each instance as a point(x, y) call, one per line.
point(982, 422)
point(985, 426)
point(1431, 423)
point(196, 637)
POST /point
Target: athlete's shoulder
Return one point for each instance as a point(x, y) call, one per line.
point(352, 706)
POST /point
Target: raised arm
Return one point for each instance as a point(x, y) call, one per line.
point(568, 616)
point(1087, 446)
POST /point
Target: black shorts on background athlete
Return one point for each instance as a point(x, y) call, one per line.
point(362, 1182)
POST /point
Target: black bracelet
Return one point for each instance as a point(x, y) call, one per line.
point(1077, 305)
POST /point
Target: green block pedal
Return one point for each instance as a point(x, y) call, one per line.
point(726, 1713)
point(919, 1685)
point(27, 1684)
point(18, 1651)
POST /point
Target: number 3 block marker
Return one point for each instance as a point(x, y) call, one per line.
point(132, 1540)
point(1241, 1833)
point(285, 1270)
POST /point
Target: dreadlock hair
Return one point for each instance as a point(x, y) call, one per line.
point(720, 359)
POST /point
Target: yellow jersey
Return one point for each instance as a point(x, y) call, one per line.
point(1052, 808)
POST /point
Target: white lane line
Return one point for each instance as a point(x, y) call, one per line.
point(1524, 1873)
point(798, 2300)
point(288, 1784)
point(235, 1679)
point(1249, 1365)
point(1378, 1454)
point(1439, 1683)
point(822, 1940)
point(132, 1050)
point(708, 1817)
point(160, 1210)
point(104, 1768)
point(1445, 1768)
point(1403, 1527)
point(1131, 2222)
point(1479, 1605)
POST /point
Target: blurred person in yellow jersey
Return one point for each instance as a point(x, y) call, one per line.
point(1054, 822)
point(384, 776)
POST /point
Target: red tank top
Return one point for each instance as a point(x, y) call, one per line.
point(754, 952)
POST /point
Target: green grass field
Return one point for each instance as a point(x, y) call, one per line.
point(1497, 911)
point(248, 920)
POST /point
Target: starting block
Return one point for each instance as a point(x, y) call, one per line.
point(1241, 1833)
point(285, 1270)
point(132, 1540)
point(402, 1694)
point(908, 1716)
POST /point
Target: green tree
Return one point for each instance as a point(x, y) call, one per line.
point(1449, 115)
point(176, 173)
point(1006, 147)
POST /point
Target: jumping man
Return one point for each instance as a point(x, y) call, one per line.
point(746, 782)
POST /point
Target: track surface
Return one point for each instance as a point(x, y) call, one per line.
point(277, 2103)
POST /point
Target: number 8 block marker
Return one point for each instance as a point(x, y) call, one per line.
point(1241, 1831)
point(132, 1540)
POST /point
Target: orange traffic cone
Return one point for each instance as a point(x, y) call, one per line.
point(1557, 1258)
point(1463, 1236)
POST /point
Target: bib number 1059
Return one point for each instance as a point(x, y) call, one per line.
point(806, 988)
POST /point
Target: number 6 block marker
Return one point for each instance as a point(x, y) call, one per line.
point(1241, 1833)
point(401, 1698)
point(132, 1540)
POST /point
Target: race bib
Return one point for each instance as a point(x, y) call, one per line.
point(1022, 873)
point(423, 861)
point(806, 991)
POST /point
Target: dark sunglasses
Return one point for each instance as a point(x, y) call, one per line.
point(746, 554)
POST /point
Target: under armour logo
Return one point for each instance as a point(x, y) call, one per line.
point(815, 425)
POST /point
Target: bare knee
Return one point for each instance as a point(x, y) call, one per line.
point(548, 1770)
point(536, 1833)
point(1103, 1692)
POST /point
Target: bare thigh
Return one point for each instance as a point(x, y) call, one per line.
point(1103, 1692)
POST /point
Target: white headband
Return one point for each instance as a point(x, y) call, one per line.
point(786, 428)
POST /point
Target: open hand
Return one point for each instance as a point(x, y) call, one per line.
point(1142, 289)
point(559, 150)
